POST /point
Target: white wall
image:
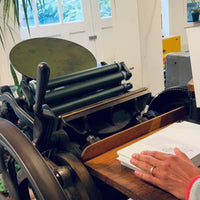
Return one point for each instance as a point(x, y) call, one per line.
point(138, 36)
point(151, 44)
point(178, 21)
point(126, 34)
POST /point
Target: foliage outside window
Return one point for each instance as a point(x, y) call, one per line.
point(105, 8)
point(31, 17)
point(48, 12)
point(72, 10)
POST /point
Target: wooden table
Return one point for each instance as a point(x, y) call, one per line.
point(100, 159)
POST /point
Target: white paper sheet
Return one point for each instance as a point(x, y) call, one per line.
point(193, 35)
point(184, 135)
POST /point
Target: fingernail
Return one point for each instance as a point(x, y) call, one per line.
point(132, 160)
point(137, 173)
point(135, 155)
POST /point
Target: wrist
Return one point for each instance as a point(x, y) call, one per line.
point(191, 185)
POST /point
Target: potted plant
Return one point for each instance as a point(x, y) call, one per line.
point(195, 11)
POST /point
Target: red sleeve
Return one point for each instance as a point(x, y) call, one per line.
point(190, 186)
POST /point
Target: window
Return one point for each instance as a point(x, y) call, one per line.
point(30, 12)
point(49, 12)
point(72, 10)
point(190, 9)
point(105, 8)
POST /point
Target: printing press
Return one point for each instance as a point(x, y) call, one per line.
point(69, 113)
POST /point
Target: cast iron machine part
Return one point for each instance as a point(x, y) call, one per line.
point(69, 93)
point(48, 164)
point(75, 82)
point(46, 158)
point(54, 164)
point(51, 173)
point(47, 138)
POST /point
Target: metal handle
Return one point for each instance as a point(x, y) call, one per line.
point(92, 37)
point(43, 73)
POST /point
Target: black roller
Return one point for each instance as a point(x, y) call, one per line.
point(92, 98)
point(79, 88)
point(83, 75)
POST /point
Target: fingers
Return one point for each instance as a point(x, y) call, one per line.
point(165, 170)
point(156, 154)
point(140, 162)
point(161, 162)
point(143, 159)
point(181, 155)
point(148, 159)
point(146, 163)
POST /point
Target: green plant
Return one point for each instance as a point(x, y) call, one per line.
point(16, 88)
point(11, 6)
point(196, 6)
point(2, 186)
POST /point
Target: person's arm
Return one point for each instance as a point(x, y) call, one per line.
point(193, 191)
point(172, 173)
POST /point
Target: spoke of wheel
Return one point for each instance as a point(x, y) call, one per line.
point(12, 171)
point(11, 187)
point(36, 174)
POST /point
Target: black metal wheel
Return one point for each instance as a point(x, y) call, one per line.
point(32, 172)
point(74, 177)
point(170, 99)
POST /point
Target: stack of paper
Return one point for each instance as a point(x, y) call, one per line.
point(184, 135)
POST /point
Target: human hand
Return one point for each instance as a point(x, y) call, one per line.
point(172, 173)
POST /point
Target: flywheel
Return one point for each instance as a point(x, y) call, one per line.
point(74, 177)
point(23, 168)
